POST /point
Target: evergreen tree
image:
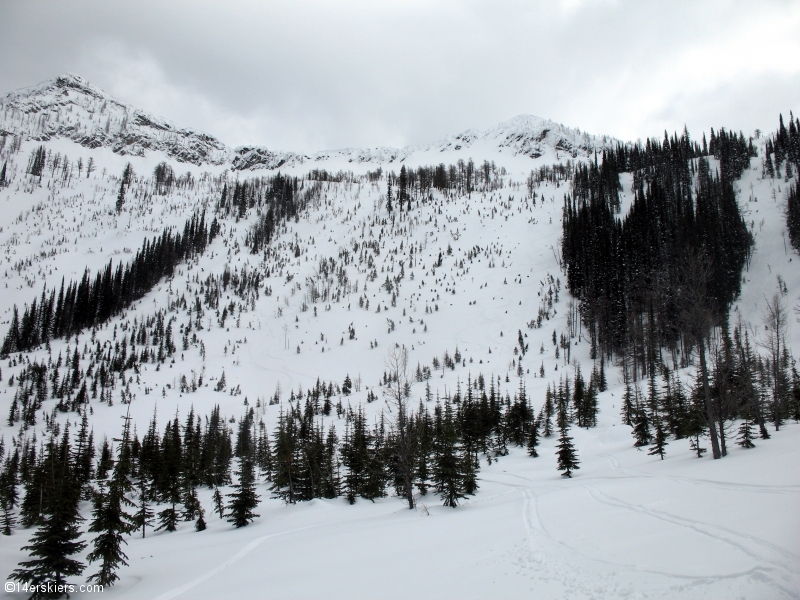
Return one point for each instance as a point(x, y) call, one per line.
point(143, 517)
point(201, 520)
point(109, 518)
point(105, 462)
point(263, 452)
point(660, 438)
point(533, 439)
point(56, 539)
point(567, 456)
point(590, 405)
point(546, 416)
point(9, 479)
point(192, 451)
point(120, 197)
point(361, 457)
point(168, 518)
point(191, 503)
point(424, 428)
point(795, 391)
point(219, 505)
point(84, 454)
point(694, 446)
point(217, 450)
point(7, 521)
point(329, 471)
point(470, 464)
point(451, 466)
point(170, 477)
point(602, 384)
point(244, 499)
point(695, 424)
point(641, 429)
point(579, 398)
point(37, 161)
point(745, 434)
point(792, 216)
point(36, 494)
point(108, 522)
point(285, 454)
point(375, 475)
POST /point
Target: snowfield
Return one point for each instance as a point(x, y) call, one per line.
point(627, 525)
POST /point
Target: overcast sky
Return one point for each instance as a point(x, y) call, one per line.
point(316, 75)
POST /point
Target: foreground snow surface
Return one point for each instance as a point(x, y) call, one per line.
point(626, 526)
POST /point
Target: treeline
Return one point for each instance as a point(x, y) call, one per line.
point(302, 459)
point(152, 483)
point(793, 216)
point(556, 174)
point(664, 276)
point(280, 197)
point(74, 384)
point(255, 192)
point(462, 177)
point(42, 160)
point(784, 145)
point(37, 161)
point(121, 485)
point(783, 150)
point(276, 199)
point(733, 151)
point(743, 385)
point(93, 301)
point(637, 277)
point(245, 284)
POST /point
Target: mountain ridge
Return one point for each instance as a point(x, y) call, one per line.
point(69, 106)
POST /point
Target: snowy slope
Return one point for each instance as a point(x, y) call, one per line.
point(627, 526)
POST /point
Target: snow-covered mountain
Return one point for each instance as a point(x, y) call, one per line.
point(467, 278)
point(524, 135)
point(70, 107)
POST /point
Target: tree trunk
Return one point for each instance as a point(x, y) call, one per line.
point(723, 447)
point(405, 460)
point(712, 426)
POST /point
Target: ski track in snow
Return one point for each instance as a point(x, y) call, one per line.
point(175, 592)
point(783, 565)
point(548, 559)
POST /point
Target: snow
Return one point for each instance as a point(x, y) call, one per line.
point(626, 526)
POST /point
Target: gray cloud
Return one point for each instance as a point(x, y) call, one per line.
point(313, 75)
